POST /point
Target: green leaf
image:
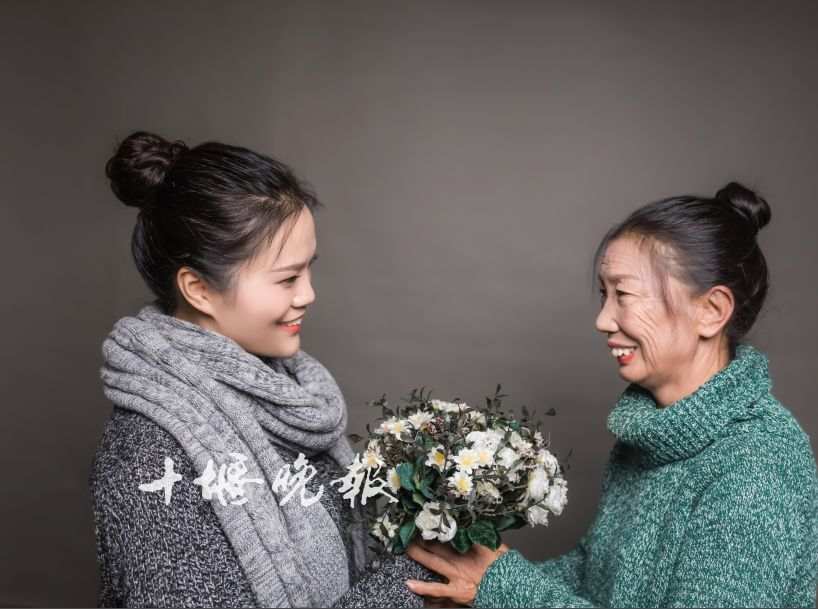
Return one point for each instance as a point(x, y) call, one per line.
point(424, 488)
point(506, 521)
point(405, 471)
point(418, 498)
point(483, 532)
point(398, 547)
point(406, 532)
point(408, 503)
point(461, 541)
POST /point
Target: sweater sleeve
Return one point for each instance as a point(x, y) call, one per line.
point(151, 554)
point(568, 568)
point(513, 581)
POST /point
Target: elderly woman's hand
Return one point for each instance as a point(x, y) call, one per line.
point(463, 571)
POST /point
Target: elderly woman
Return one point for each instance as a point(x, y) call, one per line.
point(710, 497)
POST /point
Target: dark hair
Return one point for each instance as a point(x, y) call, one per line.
point(209, 208)
point(712, 241)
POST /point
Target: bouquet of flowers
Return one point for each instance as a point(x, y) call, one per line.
point(456, 473)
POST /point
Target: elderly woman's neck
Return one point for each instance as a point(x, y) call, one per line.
point(711, 357)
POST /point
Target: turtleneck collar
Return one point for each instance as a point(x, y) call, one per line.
point(687, 426)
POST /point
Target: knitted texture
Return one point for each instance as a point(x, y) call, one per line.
point(155, 555)
point(219, 400)
point(710, 502)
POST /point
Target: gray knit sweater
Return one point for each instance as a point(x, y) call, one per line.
point(156, 555)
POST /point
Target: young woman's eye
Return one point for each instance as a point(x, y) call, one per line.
point(289, 280)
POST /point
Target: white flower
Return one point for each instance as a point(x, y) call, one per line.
point(432, 526)
point(399, 427)
point(391, 529)
point(476, 437)
point(372, 459)
point(393, 479)
point(455, 407)
point(428, 522)
point(557, 496)
point(506, 457)
point(420, 419)
point(436, 457)
point(538, 439)
point(518, 444)
point(537, 484)
point(537, 514)
point(548, 461)
point(466, 460)
point(477, 417)
point(461, 483)
point(489, 439)
point(447, 529)
point(485, 457)
point(487, 489)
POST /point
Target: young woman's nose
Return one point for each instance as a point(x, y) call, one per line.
point(605, 321)
point(305, 294)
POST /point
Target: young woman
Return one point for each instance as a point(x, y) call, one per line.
point(710, 497)
point(212, 483)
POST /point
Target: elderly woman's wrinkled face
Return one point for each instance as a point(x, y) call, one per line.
point(648, 319)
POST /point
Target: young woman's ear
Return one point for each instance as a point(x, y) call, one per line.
point(195, 291)
point(715, 308)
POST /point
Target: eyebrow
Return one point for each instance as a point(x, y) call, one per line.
point(296, 266)
point(615, 278)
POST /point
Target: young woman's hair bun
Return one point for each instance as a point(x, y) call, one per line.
point(139, 167)
point(748, 204)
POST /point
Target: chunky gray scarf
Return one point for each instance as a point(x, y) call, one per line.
point(215, 398)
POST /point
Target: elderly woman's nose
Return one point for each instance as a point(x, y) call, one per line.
point(605, 321)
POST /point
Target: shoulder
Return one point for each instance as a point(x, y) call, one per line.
point(768, 455)
point(158, 553)
point(770, 436)
point(132, 450)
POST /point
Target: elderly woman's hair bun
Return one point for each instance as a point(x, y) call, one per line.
point(753, 208)
point(139, 167)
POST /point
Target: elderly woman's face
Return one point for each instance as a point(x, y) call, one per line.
point(653, 342)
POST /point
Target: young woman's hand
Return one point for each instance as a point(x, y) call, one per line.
point(463, 571)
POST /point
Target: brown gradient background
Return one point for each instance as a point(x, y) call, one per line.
point(470, 156)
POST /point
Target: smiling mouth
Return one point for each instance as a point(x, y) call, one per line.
point(618, 352)
point(623, 355)
point(292, 323)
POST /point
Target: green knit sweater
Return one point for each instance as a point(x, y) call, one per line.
point(711, 502)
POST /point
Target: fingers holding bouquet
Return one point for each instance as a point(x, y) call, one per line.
point(463, 572)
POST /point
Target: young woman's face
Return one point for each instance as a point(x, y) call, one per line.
point(653, 345)
point(264, 310)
